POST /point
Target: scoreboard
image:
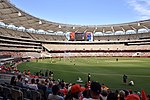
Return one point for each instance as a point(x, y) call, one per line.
point(80, 36)
point(88, 36)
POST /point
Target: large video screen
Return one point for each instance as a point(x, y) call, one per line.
point(88, 36)
point(72, 36)
point(80, 36)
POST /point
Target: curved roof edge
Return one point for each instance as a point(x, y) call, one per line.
point(10, 14)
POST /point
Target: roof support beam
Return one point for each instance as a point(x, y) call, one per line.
point(5, 11)
point(103, 31)
point(136, 30)
point(112, 28)
point(6, 8)
point(76, 31)
point(85, 31)
point(95, 30)
point(11, 14)
point(25, 22)
point(123, 29)
point(132, 27)
point(16, 18)
point(145, 27)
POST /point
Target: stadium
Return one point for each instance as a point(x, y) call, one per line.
point(32, 44)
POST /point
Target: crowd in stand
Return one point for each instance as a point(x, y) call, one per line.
point(50, 89)
point(13, 54)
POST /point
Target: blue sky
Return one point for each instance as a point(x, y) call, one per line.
point(87, 12)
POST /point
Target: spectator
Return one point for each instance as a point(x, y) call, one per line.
point(74, 93)
point(25, 84)
point(42, 87)
point(19, 81)
point(104, 94)
point(86, 95)
point(95, 90)
point(133, 97)
point(112, 96)
point(46, 73)
point(55, 96)
point(103, 87)
point(24, 72)
point(130, 91)
point(28, 73)
point(121, 95)
point(33, 85)
point(37, 81)
point(13, 81)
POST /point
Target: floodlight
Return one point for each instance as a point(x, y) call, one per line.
point(73, 27)
point(139, 24)
point(59, 26)
point(19, 14)
point(40, 22)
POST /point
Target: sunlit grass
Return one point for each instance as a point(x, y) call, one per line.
point(105, 70)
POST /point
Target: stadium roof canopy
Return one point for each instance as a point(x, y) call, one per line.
point(10, 14)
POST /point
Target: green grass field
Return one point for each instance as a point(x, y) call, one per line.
point(103, 70)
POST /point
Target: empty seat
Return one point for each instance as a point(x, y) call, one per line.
point(16, 94)
point(6, 93)
point(26, 93)
point(35, 95)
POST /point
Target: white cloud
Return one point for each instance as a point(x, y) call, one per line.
point(145, 17)
point(142, 7)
